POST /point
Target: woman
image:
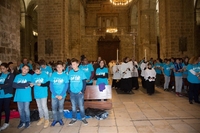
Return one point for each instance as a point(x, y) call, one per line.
point(102, 73)
point(6, 92)
point(193, 79)
point(126, 80)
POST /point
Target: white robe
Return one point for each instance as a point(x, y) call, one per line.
point(142, 66)
point(126, 70)
point(135, 70)
point(150, 73)
point(116, 72)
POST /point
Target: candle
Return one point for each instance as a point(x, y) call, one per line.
point(117, 54)
point(145, 54)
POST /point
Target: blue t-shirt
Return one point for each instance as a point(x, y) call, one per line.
point(59, 81)
point(157, 66)
point(76, 80)
point(30, 66)
point(185, 69)
point(40, 92)
point(68, 68)
point(47, 70)
point(23, 94)
point(177, 67)
point(167, 69)
point(102, 71)
point(87, 69)
point(2, 80)
point(193, 78)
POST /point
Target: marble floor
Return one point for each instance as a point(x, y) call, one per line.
point(162, 112)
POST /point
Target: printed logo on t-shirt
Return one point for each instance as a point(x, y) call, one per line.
point(39, 80)
point(22, 81)
point(101, 73)
point(58, 80)
point(196, 69)
point(2, 80)
point(85, 69)
point(75, 78)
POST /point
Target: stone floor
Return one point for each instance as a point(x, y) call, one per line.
point(162, 112)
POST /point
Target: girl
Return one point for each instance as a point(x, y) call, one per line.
point(41, 83)
point(178, 73)
point(6, 90)
point(193, 79)
point(167, 73)
point(150, 76)
point(102, 73)
point(58, 86)
point(23, 96)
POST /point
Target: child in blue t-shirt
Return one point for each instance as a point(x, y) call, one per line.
point(102, 74)
point(58, 86)
point(40, 81)
point(6, 92)
point(158, 68)
point(88, 70)
point(23, 96)
point(77, 80)
point(178, 74)
point(167, 73)
point(45, 68)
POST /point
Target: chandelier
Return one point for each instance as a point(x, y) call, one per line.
point(111, 30)
point(120, 2)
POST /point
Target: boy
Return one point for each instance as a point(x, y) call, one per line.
point(58, 87)
point(77, 80)
point(40, 81)
point(23, 96)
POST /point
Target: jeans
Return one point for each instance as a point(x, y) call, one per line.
point(178, 83)
point(42, 108)
point(57, 108)
point(167, 80)
point(194, 91)
point(77, 99)
point(5, 102)
point(24, 111)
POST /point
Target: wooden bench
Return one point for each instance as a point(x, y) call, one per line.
point(93, 99)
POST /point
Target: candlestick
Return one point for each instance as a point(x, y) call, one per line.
point(117, 54)
point(145, 55)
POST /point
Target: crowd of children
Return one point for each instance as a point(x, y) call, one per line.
point(73, 76)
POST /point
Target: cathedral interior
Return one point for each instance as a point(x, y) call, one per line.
point(61, 29)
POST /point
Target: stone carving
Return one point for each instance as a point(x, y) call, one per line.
point(49, 46)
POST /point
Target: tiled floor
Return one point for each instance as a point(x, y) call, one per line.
point(162, 112)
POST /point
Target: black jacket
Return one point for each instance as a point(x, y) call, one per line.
point(7, 86)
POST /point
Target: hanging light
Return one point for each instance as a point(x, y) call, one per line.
point(120, 2)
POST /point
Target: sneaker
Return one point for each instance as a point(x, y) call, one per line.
point(40, 121)
point(84, 121)
point(72, 122)
point(46, 123)
point(61, 122)
point(54, 123)
point(180, 95)
point(5, 125)
point(27, 124)
point(21, 124)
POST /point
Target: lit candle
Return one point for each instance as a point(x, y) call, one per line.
point(145, 54)
point(117, 54)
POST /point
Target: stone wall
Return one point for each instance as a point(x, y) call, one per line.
point(9, 30)
point(176, 20)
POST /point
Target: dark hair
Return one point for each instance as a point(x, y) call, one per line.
point(5, 65)
point(74, 60)
point(36, 66)
point(103, 62)
point(26, 65)
point(10, 63)
point(124, 60)
point(42, 62)
point(59, 63)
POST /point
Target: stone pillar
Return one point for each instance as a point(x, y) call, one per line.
point(147, 28)
point(176, 20)
point(51, 25)
point(9, 30)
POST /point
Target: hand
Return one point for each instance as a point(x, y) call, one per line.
point(80, 93)
point(103, 74)
point(39, 84)
point(88, 81)
point(31, 84)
